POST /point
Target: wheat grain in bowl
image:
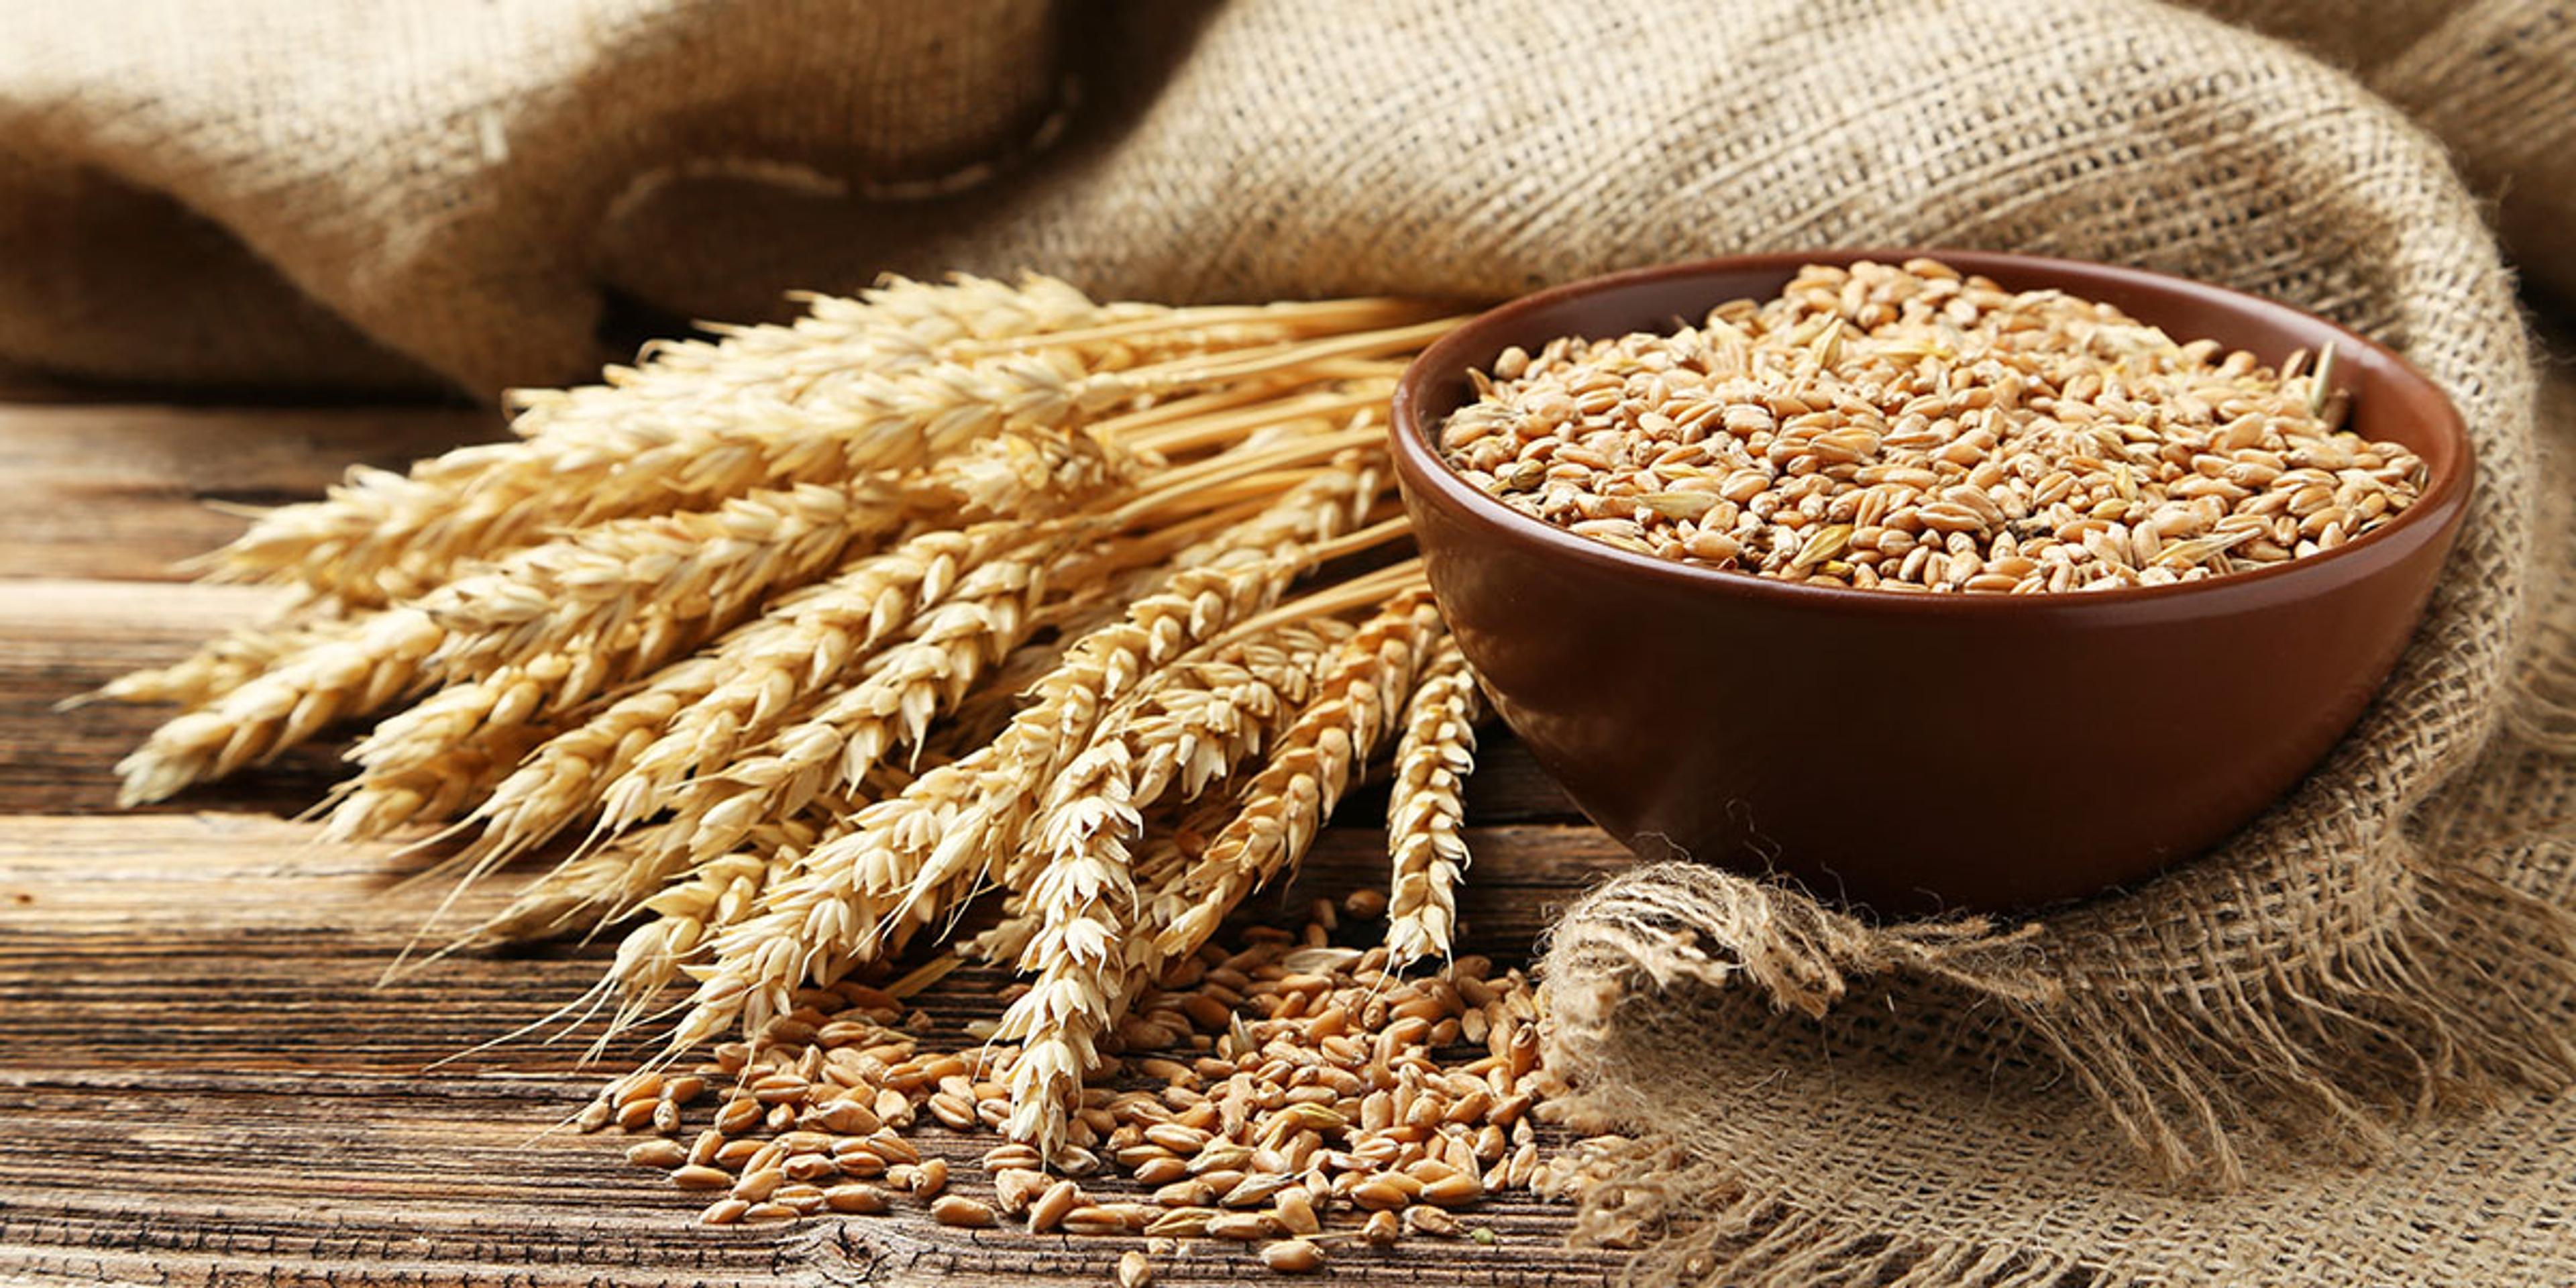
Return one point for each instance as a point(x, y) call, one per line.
point(1910, 428)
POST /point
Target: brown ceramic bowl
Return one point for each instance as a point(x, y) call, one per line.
point(1907, 752)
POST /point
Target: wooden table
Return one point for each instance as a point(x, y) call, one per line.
point(200, 1080)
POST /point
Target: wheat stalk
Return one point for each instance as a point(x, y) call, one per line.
point(1425, 813)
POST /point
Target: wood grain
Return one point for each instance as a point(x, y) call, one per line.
point(201, 1079)
point(122, 491)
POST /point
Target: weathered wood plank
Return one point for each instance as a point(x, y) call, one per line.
point(89, 490)
point(59, 639)
point(204, 1082)
point(207, 1082)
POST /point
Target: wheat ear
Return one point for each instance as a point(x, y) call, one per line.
point(899, 692)
point(953, 821)
point(550, 626)
point(1425, 814)
point(709, 418)
point(1285, 804)
point(216, 668)
point(1191, 726)
point(775, 666)
point(350, 668)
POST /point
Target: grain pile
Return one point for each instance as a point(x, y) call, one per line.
point(1908, 429)
point(811, 641)
point(1284, 1090)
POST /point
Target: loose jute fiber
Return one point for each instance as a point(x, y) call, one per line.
point(2335, 1051)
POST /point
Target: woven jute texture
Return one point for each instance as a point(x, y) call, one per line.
point(2333, 1052)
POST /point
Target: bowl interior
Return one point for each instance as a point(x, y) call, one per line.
point(2390, 400)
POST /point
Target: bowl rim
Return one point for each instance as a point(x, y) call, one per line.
point(2442, 502)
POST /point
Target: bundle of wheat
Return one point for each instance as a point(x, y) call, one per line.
point(808, 636)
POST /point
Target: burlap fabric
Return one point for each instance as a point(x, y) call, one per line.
point(2332, 1053)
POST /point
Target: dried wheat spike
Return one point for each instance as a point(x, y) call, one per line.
point(857, 420)
point(560, 780)
point(218, 667)
point(953, 822)
point(694, 423)
point(644, 588)
point(637, 586)
point(578, 599)
point(354, 667)
point(912, 683)
point(1311, 763)
point(1189, 727)
point(694, 713)
point(952, 819)
point(808, 643)
point(941, 656)
point(1425, 814)
point(390, 800)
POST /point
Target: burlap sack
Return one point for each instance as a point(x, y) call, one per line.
point(2384, 956)
point(399, 194)
point(2495, 79)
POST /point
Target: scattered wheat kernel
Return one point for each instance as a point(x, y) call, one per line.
point(664, 1154)
point(1293, 1256)
point(958, 1210)
point(1382, 1230)
point(1134, 1270)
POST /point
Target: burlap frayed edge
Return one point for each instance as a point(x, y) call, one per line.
point(2337, 1051)
point(2337, 1047)
point(1690, 1221)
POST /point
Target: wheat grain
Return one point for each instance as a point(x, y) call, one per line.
point(1424, 811)
point(1909, 429)
point(1282, 1088)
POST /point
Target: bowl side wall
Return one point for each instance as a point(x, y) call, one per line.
point(1904, 751)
